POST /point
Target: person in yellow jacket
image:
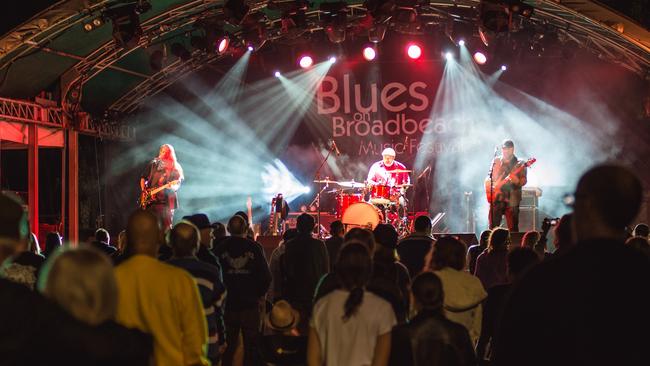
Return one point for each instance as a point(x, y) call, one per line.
point(160, 299)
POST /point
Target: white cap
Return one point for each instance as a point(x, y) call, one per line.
point(388, 151)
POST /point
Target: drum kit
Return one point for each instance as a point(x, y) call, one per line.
point(364, 205)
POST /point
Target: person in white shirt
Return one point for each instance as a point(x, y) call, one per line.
point(351, 326)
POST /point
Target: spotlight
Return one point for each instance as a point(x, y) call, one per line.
point(222, 45)
point(369, 53)
point(254, 31)
point(377, 32)
point(305, 61)
point(250, 48)
point(332, 59)
point(126, 25)
point(334, 19)
point(88, 27)
point(414, 51)
point(406, 20)
point(480, 58)
point(277, 74)
point(504, 67)
point(461, 42)
point(449, 56)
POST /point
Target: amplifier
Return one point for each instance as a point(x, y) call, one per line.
point(326, 219)
point(530, 196)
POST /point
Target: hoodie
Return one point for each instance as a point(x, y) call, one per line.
point(463, 296)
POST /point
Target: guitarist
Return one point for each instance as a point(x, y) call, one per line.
point(507, 199)
point(160, 171)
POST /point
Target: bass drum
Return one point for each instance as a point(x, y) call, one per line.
point(362, 215)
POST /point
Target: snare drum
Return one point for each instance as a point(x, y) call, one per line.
point(361, 214)
point(380, 194)
point(344, 200)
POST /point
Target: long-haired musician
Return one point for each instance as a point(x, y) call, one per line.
point(163, 171)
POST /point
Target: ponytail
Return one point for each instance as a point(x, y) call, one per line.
point(352, 302)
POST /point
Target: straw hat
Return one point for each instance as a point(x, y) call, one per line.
point(282, 316)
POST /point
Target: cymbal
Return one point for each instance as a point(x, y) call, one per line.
point(405, 185)
point(351, 184)
point(399, 171)
point(326, 181)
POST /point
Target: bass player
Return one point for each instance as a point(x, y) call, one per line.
point(503, 187)
point(162, 171)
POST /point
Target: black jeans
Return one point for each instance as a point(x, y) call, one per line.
point(247, 321)
point(501, 208)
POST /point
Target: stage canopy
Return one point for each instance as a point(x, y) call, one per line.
point(109, 56)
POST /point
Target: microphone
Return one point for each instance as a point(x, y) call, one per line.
point(496, 150)
point(336, 148)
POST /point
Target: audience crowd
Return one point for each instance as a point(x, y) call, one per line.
point(205, 294)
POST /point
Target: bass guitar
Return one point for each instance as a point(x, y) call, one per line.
point(496, 189)
point(147, 196)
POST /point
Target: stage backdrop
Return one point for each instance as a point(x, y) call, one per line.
point(365, 107)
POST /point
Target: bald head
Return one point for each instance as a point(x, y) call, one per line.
point(608, 197)
point(237, 226)
point(184, 239)
point(143, 233)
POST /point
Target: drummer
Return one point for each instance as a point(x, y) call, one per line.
point(380, 172)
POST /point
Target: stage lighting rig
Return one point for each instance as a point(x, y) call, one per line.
point(293, 18)
point(377, 32)
point(406, 20)
point(334, 18)
point(254, 31)
point(126, 23)
point(497, 15)
point(235, 11)
point(181, 52)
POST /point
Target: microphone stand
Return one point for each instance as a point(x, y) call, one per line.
point(491, 216)
point(320, 189)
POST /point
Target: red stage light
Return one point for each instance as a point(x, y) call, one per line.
point(369, 53)
point(480, 58)
point(223, 45)
point(305, 61)
point(414, 51)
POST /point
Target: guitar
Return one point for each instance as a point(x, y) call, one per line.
point(496, 189)
point(146, 197)
point(249, 206)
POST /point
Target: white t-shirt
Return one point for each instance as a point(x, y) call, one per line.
point(351, 343)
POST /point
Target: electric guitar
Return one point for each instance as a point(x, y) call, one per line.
point(147, 196)
point(498, 185)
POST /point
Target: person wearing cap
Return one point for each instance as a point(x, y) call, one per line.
point(380, 172)
point(506, 202)
point(284, 346)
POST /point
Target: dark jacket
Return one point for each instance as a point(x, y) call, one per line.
point(37, 332)
point(431, 339)
point(245, 272)
point(591, 304)
point(103, 247)
point(304, 262)
point(412, 252)
point(333, 245)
